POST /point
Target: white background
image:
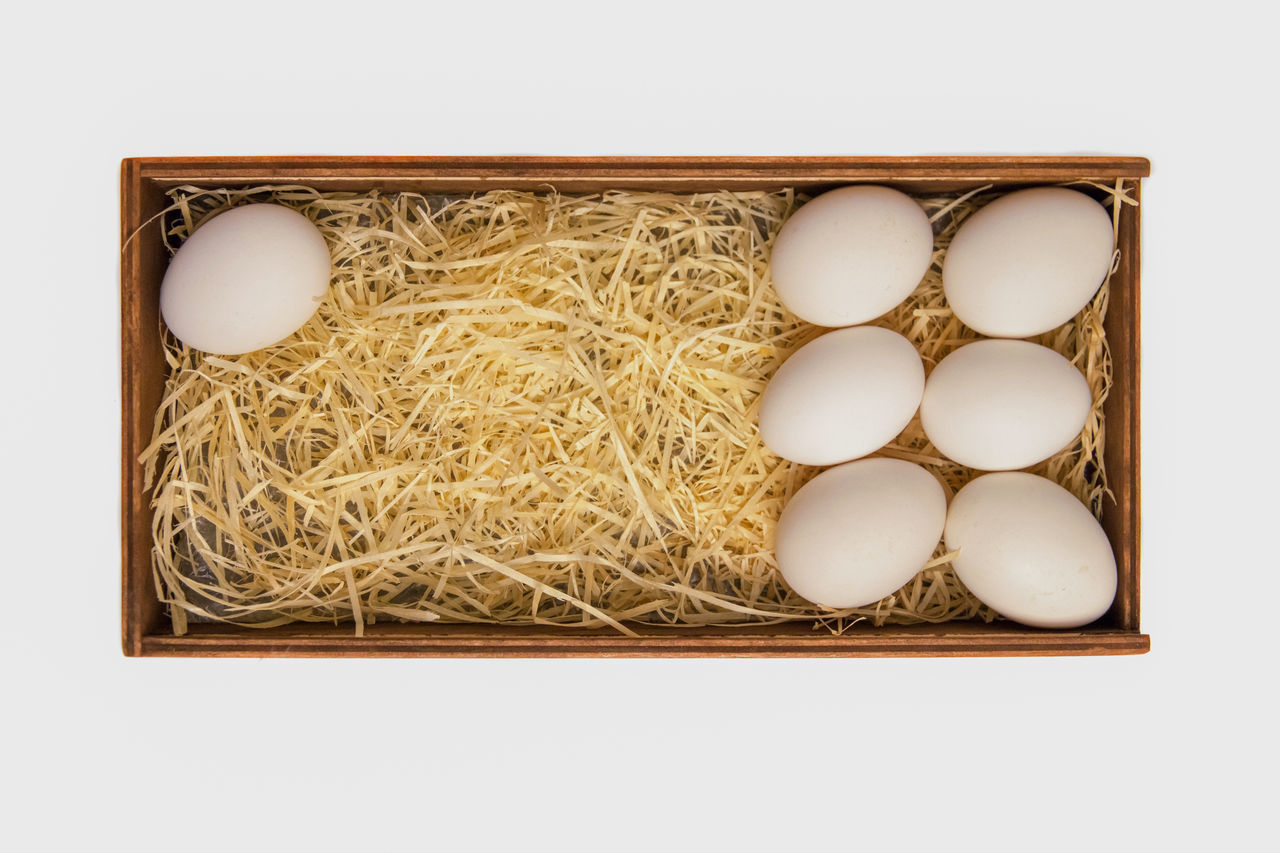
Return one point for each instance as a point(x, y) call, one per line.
point(1173, 750)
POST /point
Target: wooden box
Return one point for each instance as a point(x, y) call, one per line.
point(144, 181)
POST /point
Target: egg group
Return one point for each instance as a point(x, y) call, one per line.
point(1022, 265)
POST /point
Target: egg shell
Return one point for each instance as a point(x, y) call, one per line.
point(851, 254)
point(997, 405)
point(1028, 261)
point(858, 532)
point(1029, 550)
point(842, 396)
point(247, 278)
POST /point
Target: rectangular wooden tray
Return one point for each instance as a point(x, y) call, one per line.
point(146, 629)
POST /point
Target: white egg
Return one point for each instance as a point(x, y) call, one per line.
point(1000, 405)
point(851, 254)
point(1031, 551)
point(246, 279)
point(841, 396)
point(1028, 261)
point(857, 532)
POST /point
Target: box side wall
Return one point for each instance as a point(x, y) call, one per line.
point(593, 174)
point(1121, 518)
point(957, 639)
point(142, 379)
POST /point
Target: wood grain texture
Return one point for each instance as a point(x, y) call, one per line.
point(142, 264)
point(950, 640)
point(135, 551)
point(1122, 519)
point(718, 168)
point(591, 174)
point(145, 627)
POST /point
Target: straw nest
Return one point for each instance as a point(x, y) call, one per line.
point(528, 408)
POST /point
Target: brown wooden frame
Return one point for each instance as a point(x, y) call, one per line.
point(145, 626)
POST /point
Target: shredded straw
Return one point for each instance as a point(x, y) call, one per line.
point(528, 408)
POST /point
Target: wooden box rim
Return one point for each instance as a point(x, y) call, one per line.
point(144, 629)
